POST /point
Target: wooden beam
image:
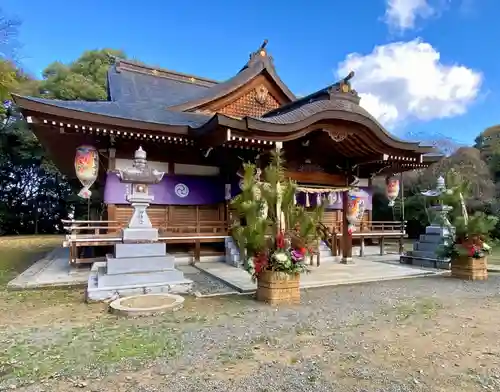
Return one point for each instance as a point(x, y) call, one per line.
point(317, 178)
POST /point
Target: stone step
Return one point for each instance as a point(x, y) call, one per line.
point(172, 276)
point(425, 262)
point(424, 254)
point(426, 246)
point(432, 238)
point(187, 258)
point(131, 265)
point(140, 250)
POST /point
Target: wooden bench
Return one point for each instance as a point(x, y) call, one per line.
point(367, 230)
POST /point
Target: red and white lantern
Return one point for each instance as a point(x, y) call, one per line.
point(355, 210)
point(86, 168)
point(392, 190)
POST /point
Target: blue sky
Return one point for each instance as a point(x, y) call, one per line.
point(423, 66)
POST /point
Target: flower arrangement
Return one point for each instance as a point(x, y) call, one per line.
point(282, 257)
point(273, 233)
point(470, 237)
point(474, 247)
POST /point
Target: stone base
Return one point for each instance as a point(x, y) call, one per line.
point(140, 250)
point(99, 292)
point(425, 262)
point(140, 235)
point(139, 265)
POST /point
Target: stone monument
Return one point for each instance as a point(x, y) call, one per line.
point(439, 233)
point(140, 263)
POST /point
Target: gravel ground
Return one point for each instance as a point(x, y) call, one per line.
point(425, 334)
point(203, 283)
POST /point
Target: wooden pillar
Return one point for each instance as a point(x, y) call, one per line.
point(346, 238)
point(111, 159)
point(362, 247)
point(111, 208)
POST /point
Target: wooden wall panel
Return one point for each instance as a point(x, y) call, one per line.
point(165, 216)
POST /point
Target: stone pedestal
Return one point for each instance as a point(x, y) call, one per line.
point(140, 264)
point(136, 269)
point(425, 251)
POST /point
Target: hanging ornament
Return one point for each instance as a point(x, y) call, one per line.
point(355, 210)
point(308, 203)
point(333, 198)
point(86, 168)
point(318, 199)
point(227, 195)
point(392, 190)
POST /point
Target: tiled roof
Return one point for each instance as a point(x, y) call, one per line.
point(135, 87)
point(140, 111)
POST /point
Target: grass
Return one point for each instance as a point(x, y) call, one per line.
point(76, 351)
point(47, 332)
point(423, 307)
point(17, 253)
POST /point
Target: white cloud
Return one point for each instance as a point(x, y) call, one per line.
point(402, 14)
point(405, 81)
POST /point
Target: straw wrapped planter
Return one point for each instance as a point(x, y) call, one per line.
point(469, 268)
point(278, 288)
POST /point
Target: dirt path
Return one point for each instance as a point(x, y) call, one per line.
point(430, 334)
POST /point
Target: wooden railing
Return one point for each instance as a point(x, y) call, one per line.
point(90, 227)
point(370, 226)
point(195, 227)
point(82, 227)
point(375, 230)
point(89, 234)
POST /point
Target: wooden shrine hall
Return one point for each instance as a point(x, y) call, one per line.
point(199, 131)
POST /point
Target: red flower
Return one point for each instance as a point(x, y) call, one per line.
point(280, 241)
point(260, 263)
point(303, 250)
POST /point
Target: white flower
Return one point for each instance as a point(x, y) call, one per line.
point(486, 246)
point(281, 257)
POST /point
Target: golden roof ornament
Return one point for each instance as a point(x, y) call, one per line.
point(345, 84)
point(260, 54)
point(342, 90)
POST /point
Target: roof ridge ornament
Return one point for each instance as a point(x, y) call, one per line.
point(260, 55)
point(343, 90)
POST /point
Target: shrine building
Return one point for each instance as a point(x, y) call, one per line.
point(199, 132)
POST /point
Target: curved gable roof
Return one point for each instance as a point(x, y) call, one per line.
point(258, 64)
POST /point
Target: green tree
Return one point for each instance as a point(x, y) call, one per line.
point(83, 79)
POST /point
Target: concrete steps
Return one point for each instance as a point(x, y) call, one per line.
point(426, 262)
point(187, 258)
point(232, 256)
